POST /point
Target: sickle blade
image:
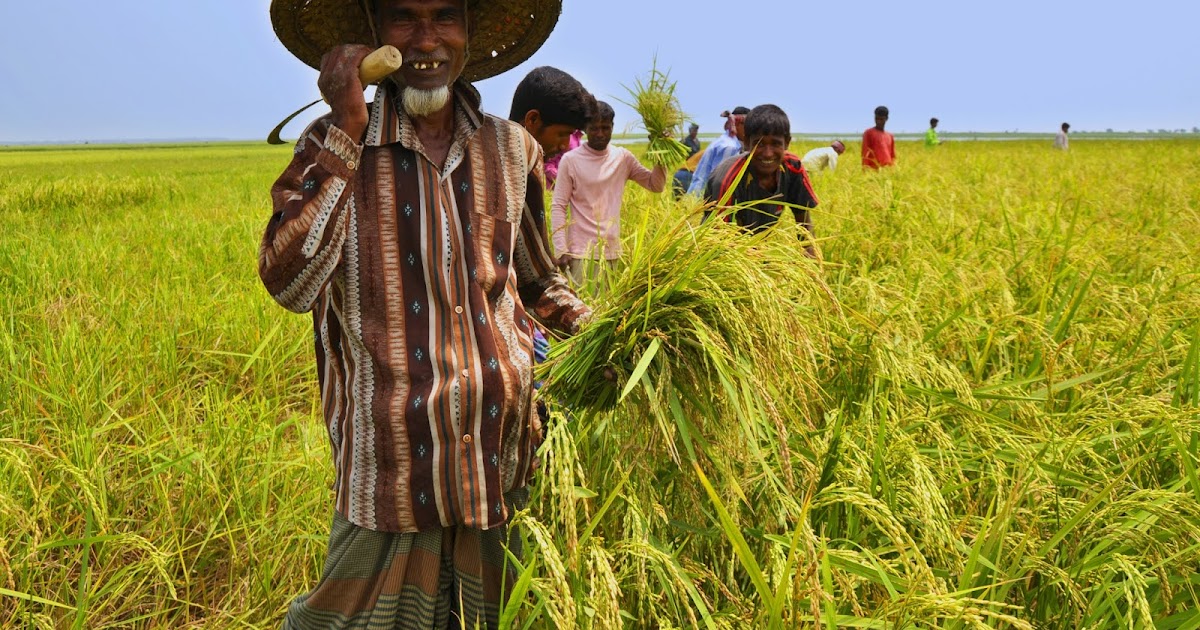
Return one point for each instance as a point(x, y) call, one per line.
point(274, 138)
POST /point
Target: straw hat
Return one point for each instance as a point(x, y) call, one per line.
point(506, 32)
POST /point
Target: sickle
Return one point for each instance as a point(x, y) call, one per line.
point(375, 67)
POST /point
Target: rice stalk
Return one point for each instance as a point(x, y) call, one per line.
point(662, 117)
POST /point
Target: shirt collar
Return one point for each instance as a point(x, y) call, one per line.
point(389, 124)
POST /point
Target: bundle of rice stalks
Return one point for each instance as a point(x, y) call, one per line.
point(662, 116)
point(704, 322)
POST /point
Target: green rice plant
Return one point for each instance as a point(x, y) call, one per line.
point(662, 117)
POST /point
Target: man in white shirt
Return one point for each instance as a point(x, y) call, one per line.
point(1060, 140)
point(823, 158)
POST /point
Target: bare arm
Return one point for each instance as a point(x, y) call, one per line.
point(653, 180)
point(564, 189)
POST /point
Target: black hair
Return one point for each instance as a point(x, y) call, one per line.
point(767, 120)
point(933, 121)
point(740, 111)
point(556, 95)
point(604, 112)
point(1066, 126)
point(881, 111)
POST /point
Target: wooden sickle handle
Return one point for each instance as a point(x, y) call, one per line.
point(379, 64)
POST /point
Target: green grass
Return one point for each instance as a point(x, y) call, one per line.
point(991, 419)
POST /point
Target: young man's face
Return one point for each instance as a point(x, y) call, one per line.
point(739, 127)
point(554, 138)
point(599, 133)
point(767, 154)
point(880, 121)
point(432, 37)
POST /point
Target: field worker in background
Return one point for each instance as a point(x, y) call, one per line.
point(683, 177)
point(823, 158)
point(412, 229)
point(774, 175)
point(878, 146)
point(552, 106)
point(692, 141)
point(931, 139)
point(730, 143)
point(1060, 140)
point(591, 182)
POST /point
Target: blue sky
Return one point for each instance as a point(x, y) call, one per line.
point(75, 70)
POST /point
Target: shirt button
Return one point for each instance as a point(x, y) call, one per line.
point(465, 373)
point(458, 309)
point(466, 439)
point(351, 165)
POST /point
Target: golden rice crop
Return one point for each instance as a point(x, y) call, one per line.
point(979, 410)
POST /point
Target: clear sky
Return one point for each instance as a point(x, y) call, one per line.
point(75, 70)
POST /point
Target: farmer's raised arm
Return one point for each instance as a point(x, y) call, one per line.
point(301, 248)
point(654, 180)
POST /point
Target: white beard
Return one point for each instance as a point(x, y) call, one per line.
point(420, 103)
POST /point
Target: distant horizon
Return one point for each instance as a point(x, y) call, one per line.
point(131, 70)
point(915, 135)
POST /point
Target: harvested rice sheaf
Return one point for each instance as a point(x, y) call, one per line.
point(662, 117)
point(701, 313)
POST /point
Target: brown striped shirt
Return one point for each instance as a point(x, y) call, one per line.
point(421, 282)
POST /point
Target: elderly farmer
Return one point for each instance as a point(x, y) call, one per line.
point(773, 181)
point(413, 230)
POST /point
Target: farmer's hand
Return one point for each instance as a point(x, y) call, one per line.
point(563, 261)
point(343, 91)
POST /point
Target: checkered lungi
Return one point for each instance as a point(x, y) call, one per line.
point(451, 578)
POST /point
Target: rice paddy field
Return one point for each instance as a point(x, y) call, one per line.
point(980, 409)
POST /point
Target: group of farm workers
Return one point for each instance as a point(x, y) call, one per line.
point(414, 230)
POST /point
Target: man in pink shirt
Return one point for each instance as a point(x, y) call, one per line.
point(591, 182)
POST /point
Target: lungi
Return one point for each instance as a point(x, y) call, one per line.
point(453, 577)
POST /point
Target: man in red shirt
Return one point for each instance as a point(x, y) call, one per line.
point(878, 146)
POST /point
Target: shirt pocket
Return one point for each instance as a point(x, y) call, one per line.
point(493, 239)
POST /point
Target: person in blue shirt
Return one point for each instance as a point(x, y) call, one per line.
point(730, 143)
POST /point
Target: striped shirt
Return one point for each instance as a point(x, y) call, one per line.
point(421, 282)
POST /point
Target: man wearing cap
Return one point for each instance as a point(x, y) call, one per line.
point(823, 158)
point(413, 230)
point(730, 143)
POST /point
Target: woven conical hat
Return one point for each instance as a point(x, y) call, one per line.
point(505, 33)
